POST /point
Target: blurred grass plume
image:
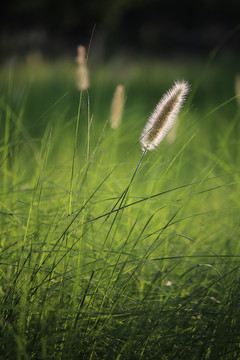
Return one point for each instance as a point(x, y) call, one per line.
point(117, 106)
point(82, 71)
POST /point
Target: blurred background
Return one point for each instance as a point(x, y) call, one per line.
point(128, 27)
point(145, 45)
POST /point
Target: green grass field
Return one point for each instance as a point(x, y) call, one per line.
point(89, 273)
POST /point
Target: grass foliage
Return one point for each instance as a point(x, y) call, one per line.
point(94, 266)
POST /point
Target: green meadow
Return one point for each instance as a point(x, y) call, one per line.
point(94, 265)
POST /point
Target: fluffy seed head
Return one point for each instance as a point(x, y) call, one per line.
point(82, 71)
point(117, 107)
point(162, 119)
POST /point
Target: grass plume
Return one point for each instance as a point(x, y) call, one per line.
point(82, 71)
point(117, 106)
point(163, 117)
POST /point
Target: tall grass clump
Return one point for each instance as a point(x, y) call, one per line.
point(128, 254)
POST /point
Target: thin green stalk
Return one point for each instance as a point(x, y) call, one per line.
point(44, 153)
point(78, 270)
point(74, 155)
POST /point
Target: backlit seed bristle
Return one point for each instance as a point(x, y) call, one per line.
point(237, 87)
point(82, 71)
point(163, 117)
point(117, 107)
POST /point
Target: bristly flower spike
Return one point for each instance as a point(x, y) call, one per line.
point(82, 71)
point(163, 117)
point(117, 107)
